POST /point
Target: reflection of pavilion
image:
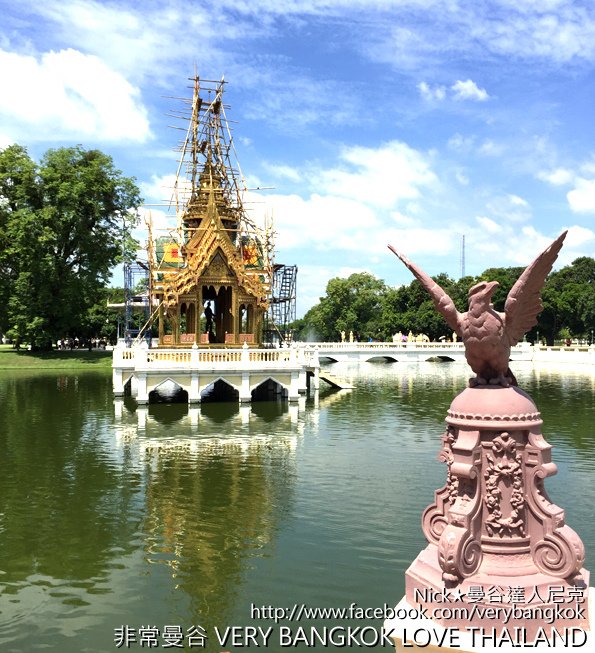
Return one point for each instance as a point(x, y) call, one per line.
point(200, 421)
point(211, 506)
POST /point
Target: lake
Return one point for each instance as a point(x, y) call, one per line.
point(153, 524)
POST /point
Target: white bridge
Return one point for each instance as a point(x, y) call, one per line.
point(289, 371)
point(359, 352)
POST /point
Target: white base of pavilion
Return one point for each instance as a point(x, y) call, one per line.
point(194, 370)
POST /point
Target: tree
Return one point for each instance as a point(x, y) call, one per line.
point(569, 300)
point(352, 304)
point(410, 308)
point(63, 225)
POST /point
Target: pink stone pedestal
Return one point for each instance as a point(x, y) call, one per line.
point(500, 556)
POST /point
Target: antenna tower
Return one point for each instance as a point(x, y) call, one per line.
point(462, 256)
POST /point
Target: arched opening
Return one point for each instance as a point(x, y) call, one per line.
point(268, 390)
point(328, 359)
point(220, 390)
point(244, 319)
point(168, 392)
point(217, 313)
point(381, 359)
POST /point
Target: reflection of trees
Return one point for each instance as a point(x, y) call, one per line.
point(211, 511)
point(566, 401)
point(63, 504)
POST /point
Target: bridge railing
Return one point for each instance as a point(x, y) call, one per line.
point(372, 346)
point(244, 358)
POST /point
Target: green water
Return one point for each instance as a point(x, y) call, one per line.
point(174, 517)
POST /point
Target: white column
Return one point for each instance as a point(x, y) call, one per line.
point(142, 395)
point(294, 387)
point(245, 394)
point(117, 383)
point(194, 392)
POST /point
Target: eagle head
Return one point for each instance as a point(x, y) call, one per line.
point(481, 293)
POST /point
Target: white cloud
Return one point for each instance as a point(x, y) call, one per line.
point(380, 177)
point(515, 200)
point(282, 172)
point(68, 94)
point(462, 178)
point(461, 143)
point(489, 225)
point(491, 148)
point(430, 94)
point(557, 177)
point(582, 198)
point(510, 208)
point(402, 219)
point(468, 90)
point(162, 224)
point(321, 222)
point(419, 240)
point(578, 236)
point(160, 190)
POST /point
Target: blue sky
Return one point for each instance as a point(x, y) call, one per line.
point(409, 122)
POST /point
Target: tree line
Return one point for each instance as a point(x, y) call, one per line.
point(366, 306)
point(64, 223)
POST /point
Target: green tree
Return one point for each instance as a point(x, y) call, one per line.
point(63, 225)
point(410, 308)
point(352, 304)
point(569, 300)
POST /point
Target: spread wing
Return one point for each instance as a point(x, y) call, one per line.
point(442, 301)
point(523, 303)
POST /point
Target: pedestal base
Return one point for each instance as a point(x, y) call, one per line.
point(503, 593)
point(413, 632)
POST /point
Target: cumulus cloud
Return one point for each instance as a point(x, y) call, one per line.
point(380, 177)
point(280, 171)
point(577, 237)
point(489, 225)
point(68, 94)
point(468, 90)
point(582, 198)
point(510, 208)
point(161, 189)
point(429, 93)
point(557, 177)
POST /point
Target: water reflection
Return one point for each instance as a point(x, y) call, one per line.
point(177, 514)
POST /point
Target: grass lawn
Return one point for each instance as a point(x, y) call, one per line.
point(10, 359)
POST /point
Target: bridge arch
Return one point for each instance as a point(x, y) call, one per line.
point(219, 390)
point(168, 391)
point(267, 389)
point(378, 358)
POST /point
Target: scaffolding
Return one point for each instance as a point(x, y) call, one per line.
point(208, 197)
point(136, 297)
point(282, 305)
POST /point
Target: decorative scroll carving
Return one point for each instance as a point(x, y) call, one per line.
point(504, 471)
point(453, 522)
point(434, 519)
point(555, 547)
